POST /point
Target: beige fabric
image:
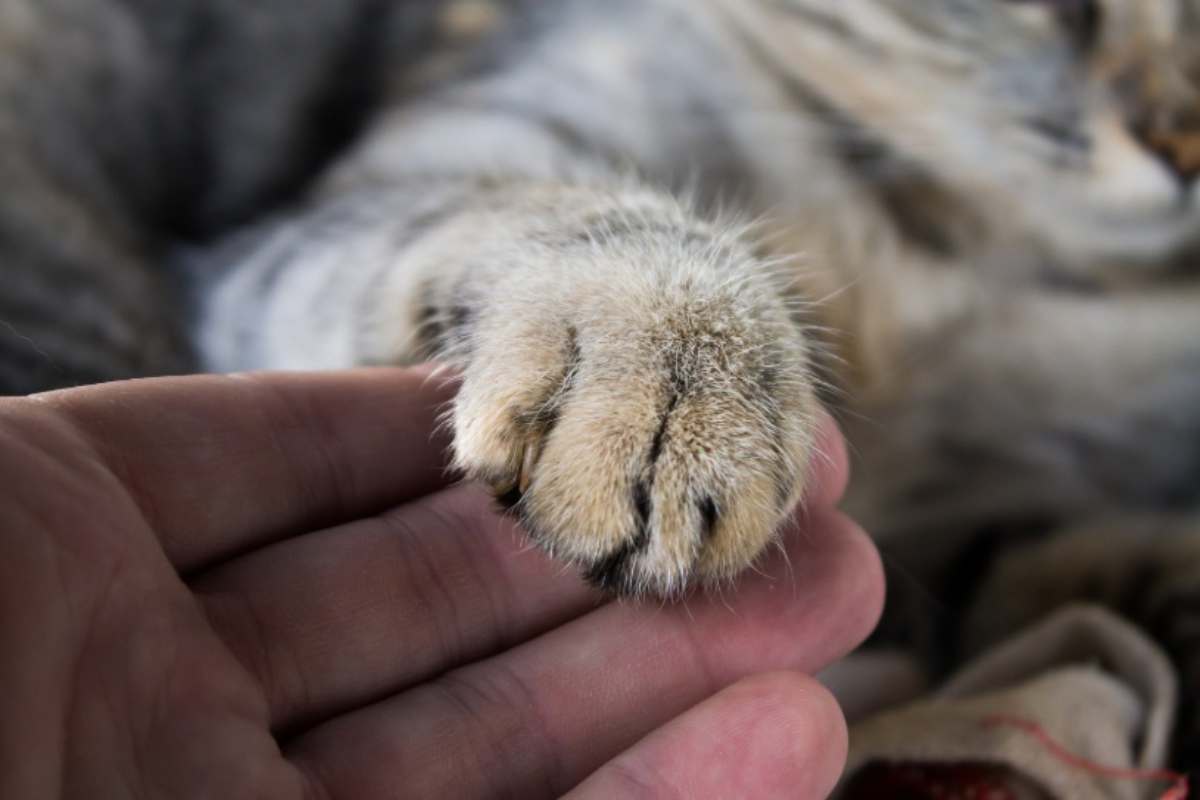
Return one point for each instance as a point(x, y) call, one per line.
point(1090, 680)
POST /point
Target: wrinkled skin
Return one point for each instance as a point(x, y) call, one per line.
point(265, 586)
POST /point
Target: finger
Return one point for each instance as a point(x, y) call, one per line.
point(338, 618)
point(221, 464)
point(537, 719)
point(831, 465)
point(774, 735)
point(334, 620)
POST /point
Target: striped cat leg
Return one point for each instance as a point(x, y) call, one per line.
point(634, 385)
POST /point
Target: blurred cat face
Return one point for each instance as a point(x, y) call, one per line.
point(1078, 118)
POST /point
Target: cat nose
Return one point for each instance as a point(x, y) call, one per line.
point(1176, 147)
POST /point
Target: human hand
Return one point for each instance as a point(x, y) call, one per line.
point(266, 586)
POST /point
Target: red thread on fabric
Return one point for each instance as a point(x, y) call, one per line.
point(1179, 783)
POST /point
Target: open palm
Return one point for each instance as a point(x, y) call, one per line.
point(267, 587)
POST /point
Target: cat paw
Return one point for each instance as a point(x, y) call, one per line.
point(655, 439)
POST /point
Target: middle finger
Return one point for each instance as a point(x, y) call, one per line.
point(337, 618)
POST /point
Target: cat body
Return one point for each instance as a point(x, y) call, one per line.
point(653, 236)
point(994, 357)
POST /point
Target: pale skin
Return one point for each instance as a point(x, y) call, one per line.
point(269, 587)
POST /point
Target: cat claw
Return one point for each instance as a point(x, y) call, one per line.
point(528, 461)
point(510, 492)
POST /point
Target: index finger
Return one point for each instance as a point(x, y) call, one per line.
point(222, 464)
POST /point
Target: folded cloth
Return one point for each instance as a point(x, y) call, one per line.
point(1078, 707)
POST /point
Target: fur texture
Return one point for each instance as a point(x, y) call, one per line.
point(993, 269)
point(976, 239)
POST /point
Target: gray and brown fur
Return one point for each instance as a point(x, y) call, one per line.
point(976, 237)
